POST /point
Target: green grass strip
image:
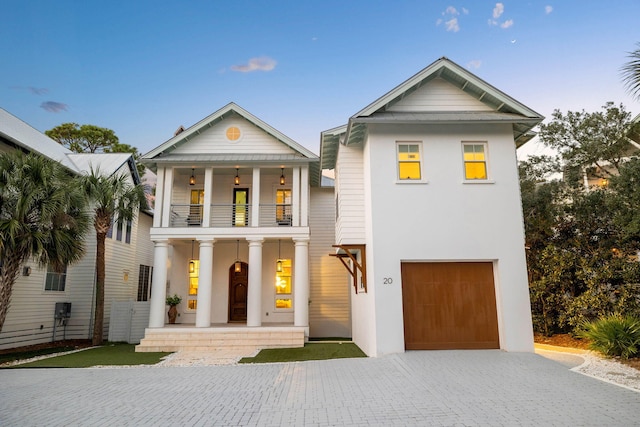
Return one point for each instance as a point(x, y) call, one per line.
point(117, 354)
point(310, 351)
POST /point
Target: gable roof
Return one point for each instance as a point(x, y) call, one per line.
point(181, 137)
point(28, 139)
point(106, 163)
point(503, 109)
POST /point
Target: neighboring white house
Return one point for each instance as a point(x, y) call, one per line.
point(129, 255)
point(242, 233)
point(429, 218)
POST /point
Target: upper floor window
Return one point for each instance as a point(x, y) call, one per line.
point(409, 161)
point(55, 280)
point(475, 160)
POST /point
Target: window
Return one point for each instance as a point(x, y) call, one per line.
point(55, 280)
point(409, 167)
point(144, 282)
point(233, 133)
point(194, 273)
point(118, 231)
point(283, 207)
point(283, 286)
point(196, 201)
point(475, 160)
point(127, 235)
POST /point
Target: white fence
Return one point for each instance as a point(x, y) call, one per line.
point(128, 321)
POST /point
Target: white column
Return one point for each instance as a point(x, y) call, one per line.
point(301, 283)
point(304, 196)
point(205, 283)
point(295, 196)
point(254, 297)
point(255, 198)
point(157, 204)
point(208, 194)
point(166, 197)
point(159, 286)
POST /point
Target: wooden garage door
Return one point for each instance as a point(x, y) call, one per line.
point(449, 305)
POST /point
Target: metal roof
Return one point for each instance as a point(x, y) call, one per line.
point(233, 159)
point(23, 135)
point(105, 163)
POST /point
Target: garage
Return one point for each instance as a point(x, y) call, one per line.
point(449, 305)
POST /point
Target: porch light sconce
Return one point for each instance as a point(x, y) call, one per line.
point(192, 179)
point(237, 267)
point(282, 180)
point(236, 180)
point(192, 264)
point(26, 271)
point(279, 262)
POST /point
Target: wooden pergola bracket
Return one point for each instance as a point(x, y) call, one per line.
point(348, 251)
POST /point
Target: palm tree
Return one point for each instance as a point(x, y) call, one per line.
point(631, 73)
point(42, 216)
point(112, 197)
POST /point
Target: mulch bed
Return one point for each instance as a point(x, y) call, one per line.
point(77, 344)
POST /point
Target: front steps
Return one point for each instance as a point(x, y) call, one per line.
point(237, 338)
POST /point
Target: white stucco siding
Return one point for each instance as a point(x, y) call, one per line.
point(350, 223)
point(438, 95)
point(252, 140)
point(447, 219)
point(329, 310)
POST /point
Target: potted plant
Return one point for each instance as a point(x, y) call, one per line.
point(172, 301)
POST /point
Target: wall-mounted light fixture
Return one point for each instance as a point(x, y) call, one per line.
point(192, 179)
point(237, 266)
point(26, 271)
point(279, 261)
point(282, 180)
point(236, 180)
point(192, 264)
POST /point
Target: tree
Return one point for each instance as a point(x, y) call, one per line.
point(92, 139)
point(42, 215)
point(631, 73)
point(590, 140)
point(111, 197)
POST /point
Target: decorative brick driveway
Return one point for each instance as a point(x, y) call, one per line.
point(416, 388)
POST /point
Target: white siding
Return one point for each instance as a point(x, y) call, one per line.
point(439, 95)
point(329, 310)
point(350, 224)
point(213, 140)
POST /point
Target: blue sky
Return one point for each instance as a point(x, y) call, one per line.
point(143, 68)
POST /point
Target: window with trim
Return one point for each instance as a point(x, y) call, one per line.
point(127, 234)
point(283, 286)
point(283, 206)
point(144, 282)
point(409, 161)
point(194, 273)
point(55, 280)
point(475, 160)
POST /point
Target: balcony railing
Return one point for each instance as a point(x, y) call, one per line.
point(277, 215)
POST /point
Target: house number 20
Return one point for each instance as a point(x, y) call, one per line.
point(387, 280)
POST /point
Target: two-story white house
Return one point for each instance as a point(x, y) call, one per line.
point(32, 317)
point(242, 233)
point(429, 218)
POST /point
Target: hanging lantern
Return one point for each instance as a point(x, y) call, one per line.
point(192, 264)
point(282, 180)
point(237, 266)
point(236, 180)
point(192, 179)
point(279, 261)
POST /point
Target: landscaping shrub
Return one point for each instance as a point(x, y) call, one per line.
point(614, 335)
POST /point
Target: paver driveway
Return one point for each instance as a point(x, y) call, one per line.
point(415, 388)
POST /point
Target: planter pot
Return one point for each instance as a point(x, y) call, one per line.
point(173, 313)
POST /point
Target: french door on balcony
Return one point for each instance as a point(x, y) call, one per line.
point(240, 207)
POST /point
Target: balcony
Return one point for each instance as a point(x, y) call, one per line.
point(234, 215)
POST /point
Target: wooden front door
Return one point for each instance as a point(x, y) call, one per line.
point(449, 305)
point(238, 286)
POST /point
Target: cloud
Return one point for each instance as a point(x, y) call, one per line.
point(450, 19)
point(452, 25)
point(54, 107)
point(465, 11)
point(498, 10)
point(548, 9)
point(34, 90)
point(262, 63)
point(474, 63)
point(506, 24)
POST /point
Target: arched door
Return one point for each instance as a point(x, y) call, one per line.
point(238, 286)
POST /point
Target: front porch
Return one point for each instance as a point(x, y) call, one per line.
point(240, 338)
